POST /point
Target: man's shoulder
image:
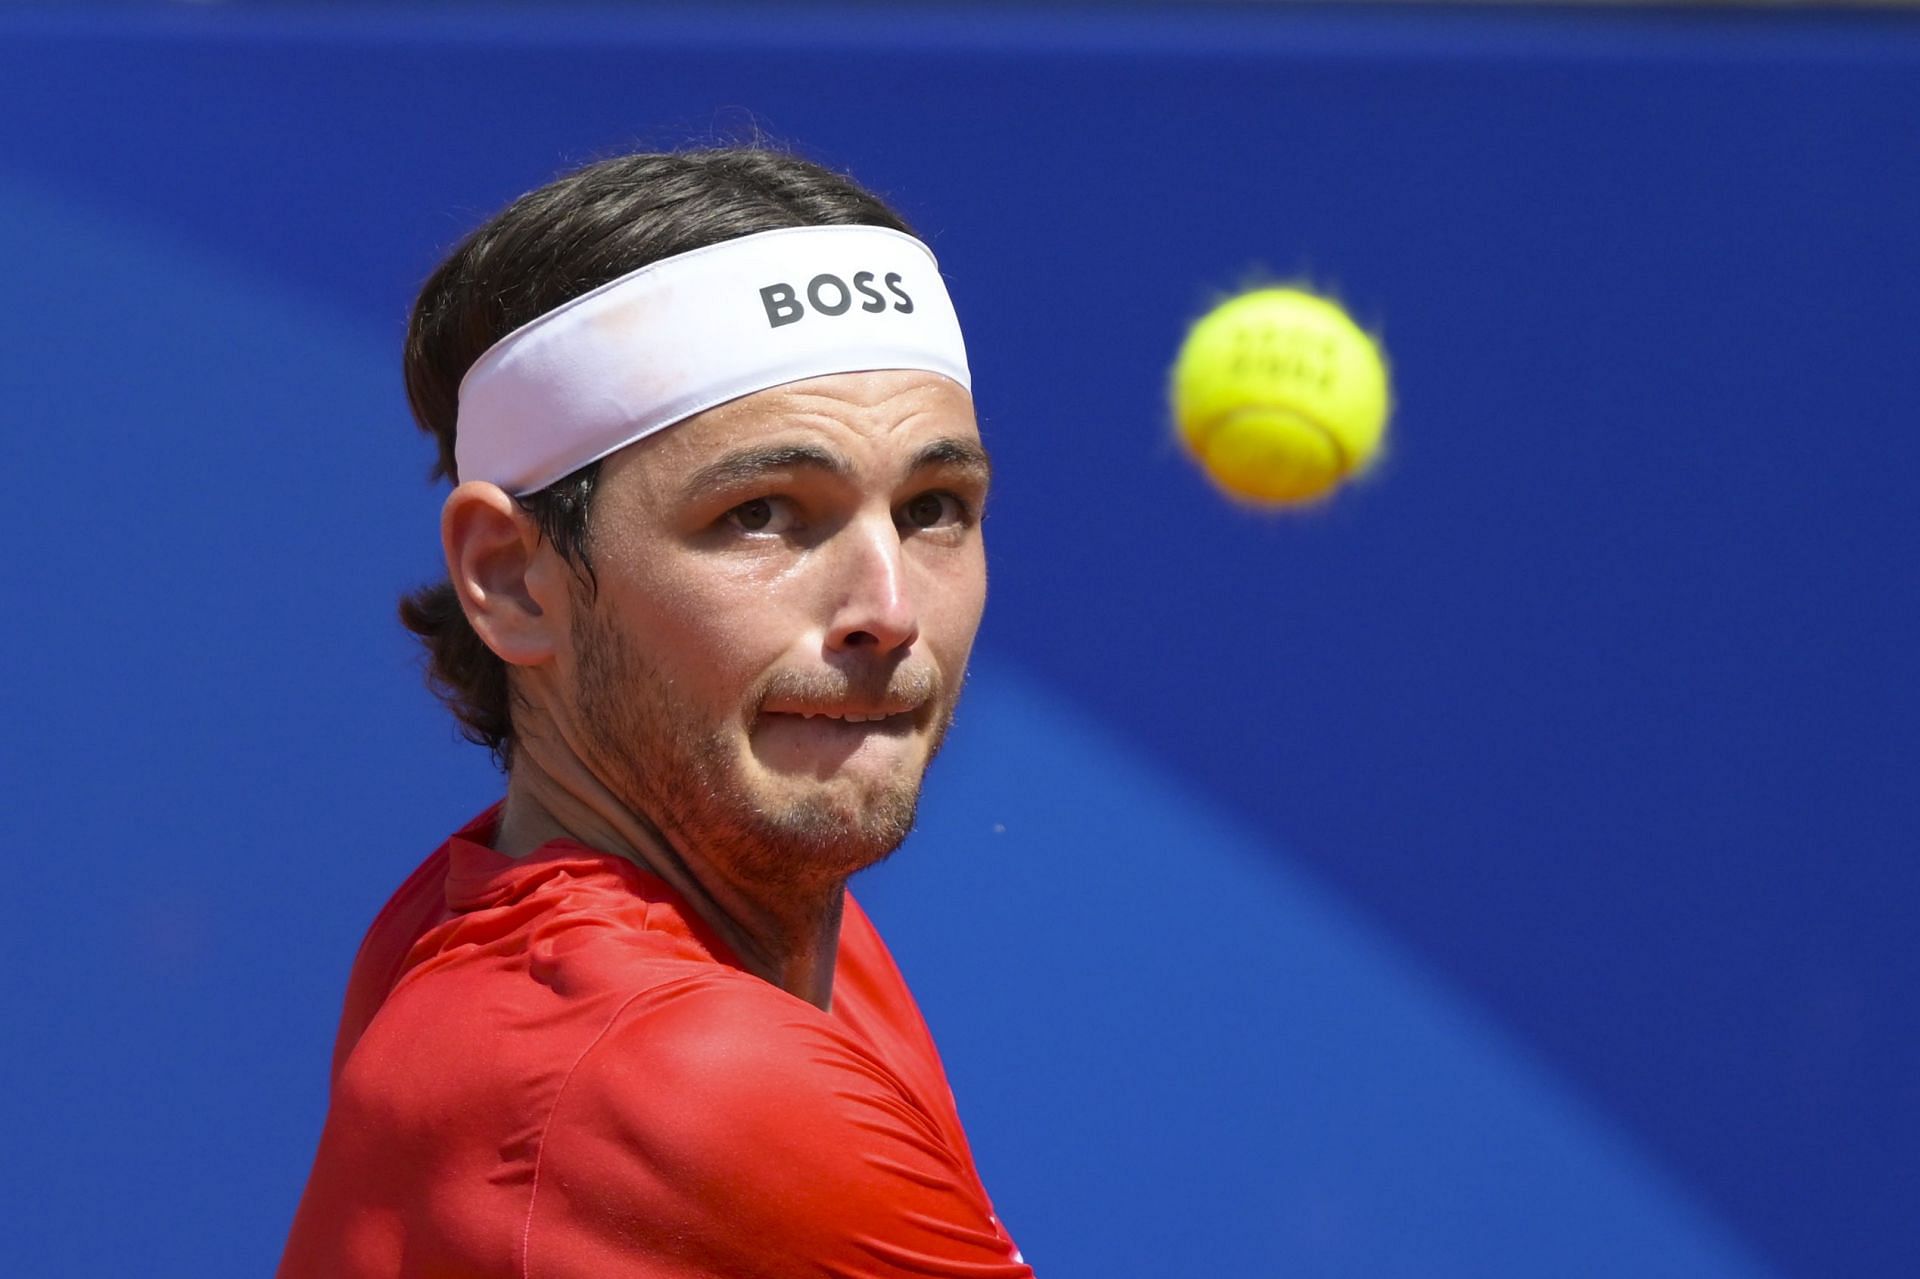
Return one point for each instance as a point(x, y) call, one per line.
point(634, 1088)
point(725, 1044)
point(493, 1007)
point(761, 1136)
point(555, 995)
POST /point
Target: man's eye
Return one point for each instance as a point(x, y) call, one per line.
point(762, 515)
point(933, 510)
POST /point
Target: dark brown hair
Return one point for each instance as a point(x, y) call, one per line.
point(590, 226)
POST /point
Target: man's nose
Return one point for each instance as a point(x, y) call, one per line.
point(875, 610)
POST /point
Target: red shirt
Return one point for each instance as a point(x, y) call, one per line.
point(549, 1068)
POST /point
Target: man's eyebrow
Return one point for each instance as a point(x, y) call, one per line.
point(953, 451)
point(747, 465)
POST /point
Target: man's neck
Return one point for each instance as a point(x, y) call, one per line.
point(786, 937)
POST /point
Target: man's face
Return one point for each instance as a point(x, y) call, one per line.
point(788, 587)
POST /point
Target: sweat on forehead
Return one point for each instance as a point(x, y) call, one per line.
point(690, 332)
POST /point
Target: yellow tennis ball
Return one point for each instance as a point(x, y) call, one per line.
point(1280, 396)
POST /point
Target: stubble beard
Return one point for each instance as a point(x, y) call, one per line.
point(653, 752)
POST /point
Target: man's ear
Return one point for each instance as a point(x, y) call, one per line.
point(510, 581)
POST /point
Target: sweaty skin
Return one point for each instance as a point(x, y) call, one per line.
point(743, 694)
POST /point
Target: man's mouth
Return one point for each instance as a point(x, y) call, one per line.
point(899, 721)
point(846, 717)
point(823, 739)
point(881, 712)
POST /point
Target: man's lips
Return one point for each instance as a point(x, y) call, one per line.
point(899, 716)
point(847, 713)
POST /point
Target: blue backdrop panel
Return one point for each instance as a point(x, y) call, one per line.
point(1500, 870)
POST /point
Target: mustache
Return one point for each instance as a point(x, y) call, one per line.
point(869, 685)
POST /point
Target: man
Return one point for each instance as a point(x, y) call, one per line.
point(714, 571)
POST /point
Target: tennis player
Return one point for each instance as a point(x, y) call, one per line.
point(714, 568)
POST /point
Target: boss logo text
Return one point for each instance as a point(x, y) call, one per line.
point(831, 295)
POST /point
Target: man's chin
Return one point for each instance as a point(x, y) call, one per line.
point(832, 833)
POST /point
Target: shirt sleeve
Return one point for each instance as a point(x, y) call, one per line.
point(738, 1132)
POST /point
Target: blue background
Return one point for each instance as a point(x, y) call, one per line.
point(1504, 869)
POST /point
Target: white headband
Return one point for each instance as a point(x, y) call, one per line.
point(698, 329)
